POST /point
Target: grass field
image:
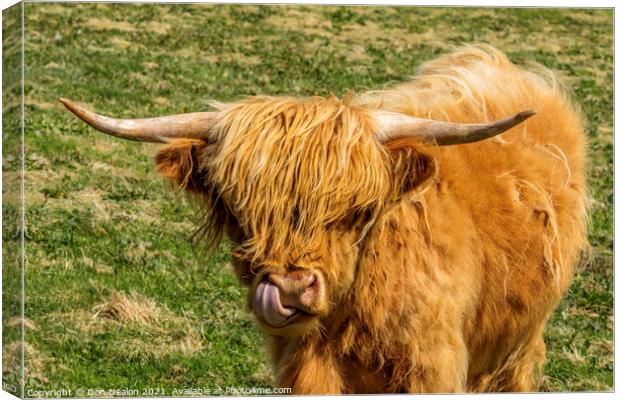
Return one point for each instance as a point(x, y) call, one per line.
point(116, 296)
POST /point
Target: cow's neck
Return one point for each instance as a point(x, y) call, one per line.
point(375, 306)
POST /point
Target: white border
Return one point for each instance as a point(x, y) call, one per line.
point(480, 3)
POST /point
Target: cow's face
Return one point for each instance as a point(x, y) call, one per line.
point(298, 186)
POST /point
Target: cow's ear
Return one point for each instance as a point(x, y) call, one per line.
point(182, 163)
point(413, 171)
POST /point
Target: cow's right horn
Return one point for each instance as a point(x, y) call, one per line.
point(394, 126)
point(156, 130)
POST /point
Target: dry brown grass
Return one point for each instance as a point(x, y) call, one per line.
point(125, 308)
point(120, 43)
point(160, 28)
point(308, 22)
point(34, 362)
point(16, 322)
point(101, 24)
point(160, 331)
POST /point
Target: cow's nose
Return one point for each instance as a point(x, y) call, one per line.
point(297, 288)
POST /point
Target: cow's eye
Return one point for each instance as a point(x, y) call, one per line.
point(355, 218)
point(350, 219)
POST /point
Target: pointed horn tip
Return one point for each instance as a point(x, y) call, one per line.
point(523, 115)
point(67, 103)
point(75, 108)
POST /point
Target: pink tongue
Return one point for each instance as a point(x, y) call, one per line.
point(267, 304)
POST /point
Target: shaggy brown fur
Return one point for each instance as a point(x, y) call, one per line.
point(441, 264)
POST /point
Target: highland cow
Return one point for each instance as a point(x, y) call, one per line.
point(393, 241)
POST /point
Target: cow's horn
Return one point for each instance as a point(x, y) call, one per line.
point(393, 126)
point(157, 130)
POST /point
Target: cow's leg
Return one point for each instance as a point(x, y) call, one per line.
point(311, 369)
point(439, 365)
point(525, 374)
point(521, 372)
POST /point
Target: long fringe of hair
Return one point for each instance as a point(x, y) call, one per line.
point(288, 168)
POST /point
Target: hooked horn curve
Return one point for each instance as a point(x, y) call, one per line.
point(155, 130)
point(393, 126)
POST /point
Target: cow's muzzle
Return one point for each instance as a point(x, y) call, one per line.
point(283, 299)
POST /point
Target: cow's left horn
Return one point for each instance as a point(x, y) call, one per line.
point(393, 126)
point(157, 130)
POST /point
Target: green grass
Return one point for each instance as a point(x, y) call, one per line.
point(103, 232)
